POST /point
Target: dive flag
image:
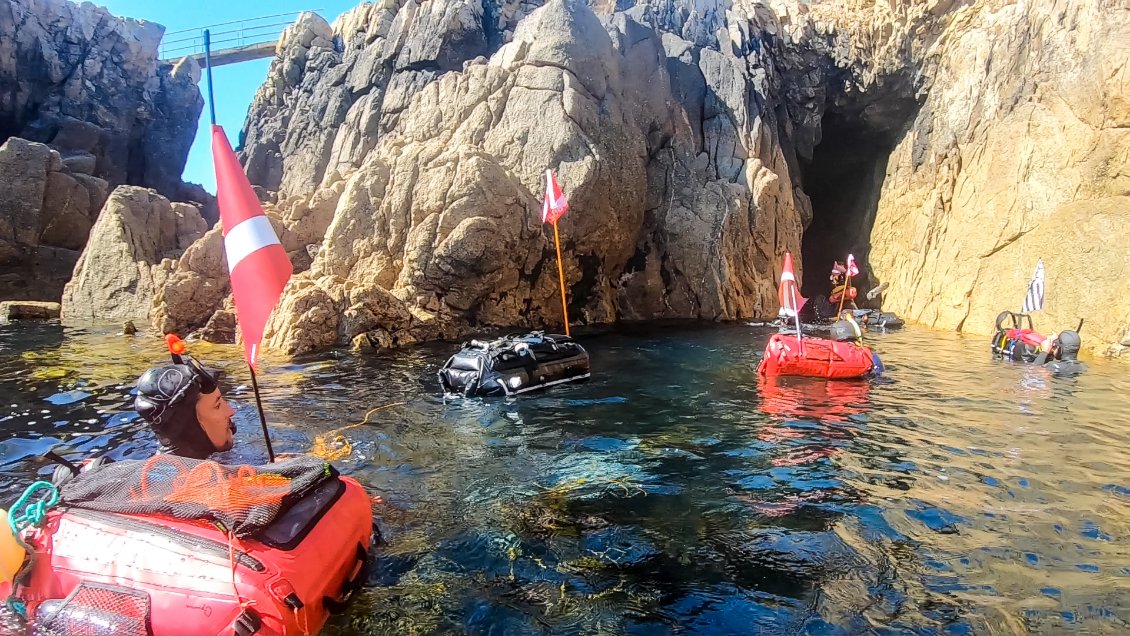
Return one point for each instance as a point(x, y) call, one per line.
point(1034, 301)
point(258, 265)
point(555, 205)
point(852, 270)
point(788, 294)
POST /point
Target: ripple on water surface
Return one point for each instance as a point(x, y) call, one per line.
point(673, 493)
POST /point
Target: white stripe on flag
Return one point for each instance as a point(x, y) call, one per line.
point(251, 235)
point(1034, 300)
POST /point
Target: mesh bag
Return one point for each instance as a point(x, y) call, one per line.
point(242, 499)
point(95, 609)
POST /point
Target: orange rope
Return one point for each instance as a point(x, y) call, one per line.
point(243, 603)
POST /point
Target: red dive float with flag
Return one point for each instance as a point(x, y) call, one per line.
point(174, 546)
point(515, 364)
point(794, 354)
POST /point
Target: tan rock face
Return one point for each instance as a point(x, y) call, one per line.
point(129, 256)
point(948, 145)
point(443, 214)
point(1021, 151)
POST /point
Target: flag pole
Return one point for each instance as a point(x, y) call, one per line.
point(250, 367)
point(561, 277)
point(208, 72)
point(262, 417)
point(796, 312)
point(843, 294)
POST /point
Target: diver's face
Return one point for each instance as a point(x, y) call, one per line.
point(215, 417)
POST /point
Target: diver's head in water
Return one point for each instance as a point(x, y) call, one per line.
point(1067, 345)
point(846, 331)
point(183, 406)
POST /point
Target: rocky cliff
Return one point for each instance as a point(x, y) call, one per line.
point(88, 90)
point(680, 165)
point(697, 142)
point(1021, 151)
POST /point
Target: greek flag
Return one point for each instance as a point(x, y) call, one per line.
point(1034, 301)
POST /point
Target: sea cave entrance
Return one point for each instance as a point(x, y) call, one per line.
point(844, 178)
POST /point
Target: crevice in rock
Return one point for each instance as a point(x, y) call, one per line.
point(844, 178)
point(580, 293)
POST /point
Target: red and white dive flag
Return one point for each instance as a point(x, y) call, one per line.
point(555, 205)
point(787, 292)
point(257, 262)
point(852, 269)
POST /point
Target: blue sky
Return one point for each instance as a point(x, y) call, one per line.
point(236, 83)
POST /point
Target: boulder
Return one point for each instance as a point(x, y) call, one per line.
point(195, 290)
point(23, 183)
point(129, 256)
point(28, 310)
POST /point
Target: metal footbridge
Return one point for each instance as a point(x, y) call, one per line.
point(232, 42)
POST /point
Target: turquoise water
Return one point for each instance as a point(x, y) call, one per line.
point(672, 494)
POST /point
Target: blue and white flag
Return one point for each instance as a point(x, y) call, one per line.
point(1034, 301)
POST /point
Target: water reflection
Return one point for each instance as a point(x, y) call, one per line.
point(675, 492)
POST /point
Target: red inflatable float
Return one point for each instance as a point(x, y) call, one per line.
point(175, 546)
point(786, 354)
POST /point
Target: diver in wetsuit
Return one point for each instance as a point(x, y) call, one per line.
point(183, 406)
point(820, 307)
point(846, 329)
point(840, 287)
point(1063, 357)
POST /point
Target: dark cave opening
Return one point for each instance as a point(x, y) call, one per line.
point(843, 180)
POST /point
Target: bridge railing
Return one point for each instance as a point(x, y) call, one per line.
point(227, 35)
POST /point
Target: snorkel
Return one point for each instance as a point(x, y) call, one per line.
point(178, 351)
point(167, 397)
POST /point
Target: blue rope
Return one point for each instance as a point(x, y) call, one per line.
point(17, 607)
point(34, 513)
point(22, 515)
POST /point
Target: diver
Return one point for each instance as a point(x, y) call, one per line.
point(821, 308)
point(840, 286)
point(846, 329)
point(1062, 357)
point(183, 406)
